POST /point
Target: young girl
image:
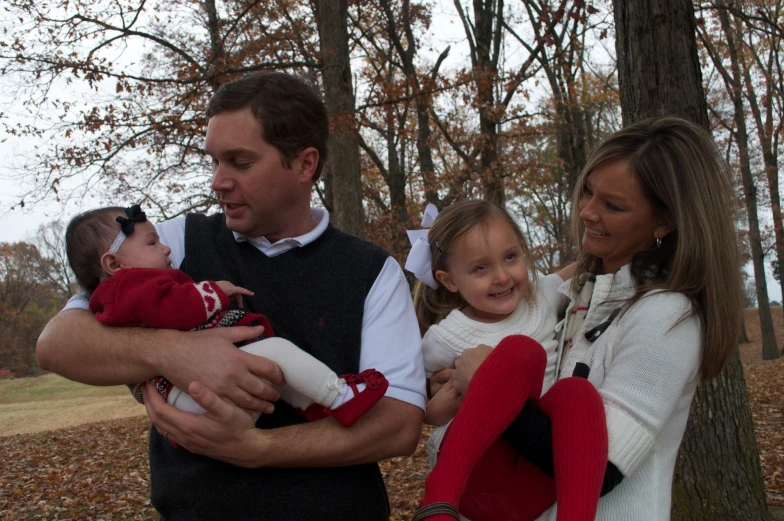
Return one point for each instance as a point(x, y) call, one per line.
point(117, 257)
point(477, 286)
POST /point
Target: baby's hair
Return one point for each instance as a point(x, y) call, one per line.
point(456, 220)
point(88, 236)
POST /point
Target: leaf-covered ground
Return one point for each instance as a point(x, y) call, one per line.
point(100, 472)
point(764, 384)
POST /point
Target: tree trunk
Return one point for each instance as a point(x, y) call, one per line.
point(421, 99)
point(744, 335)
point(658, 66)
point(486, 32)
point(734, 84)
point(339, 96)
point(560, 61)
point(218, 57)
point(709, 485)
point(718, 474)
point(765, 135)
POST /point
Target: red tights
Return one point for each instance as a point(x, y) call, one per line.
point(481, 473)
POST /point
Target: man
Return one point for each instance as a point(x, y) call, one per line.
point(341, 299)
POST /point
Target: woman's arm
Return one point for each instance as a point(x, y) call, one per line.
point(567, 272)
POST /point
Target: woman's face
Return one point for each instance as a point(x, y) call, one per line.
point(619, 219)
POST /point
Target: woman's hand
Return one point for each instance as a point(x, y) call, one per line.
point(443, 406)
point(439, 379)
point(467, 364)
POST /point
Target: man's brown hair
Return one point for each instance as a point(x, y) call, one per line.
point(292, 115)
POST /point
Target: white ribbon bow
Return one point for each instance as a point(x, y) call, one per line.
point(419, 261)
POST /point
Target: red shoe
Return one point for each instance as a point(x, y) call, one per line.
point(348, 413)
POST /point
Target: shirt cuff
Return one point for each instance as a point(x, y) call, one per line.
point(79, 301)
point(405, 395)
point(629, 442)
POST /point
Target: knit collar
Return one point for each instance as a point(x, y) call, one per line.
point(610, 287)
point(527, 312)
point(599, 296)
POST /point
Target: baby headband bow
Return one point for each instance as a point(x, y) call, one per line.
point(135, 215)
point(419, 261)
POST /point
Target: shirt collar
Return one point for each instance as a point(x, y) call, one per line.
point(320, 215)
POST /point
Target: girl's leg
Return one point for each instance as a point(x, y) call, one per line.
point(579, 428)
point(500, 387)
point(506, 486)
point(311, 386)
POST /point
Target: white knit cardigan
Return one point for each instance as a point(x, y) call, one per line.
point(646, 368)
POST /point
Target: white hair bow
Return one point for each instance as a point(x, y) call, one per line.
point(419, 261)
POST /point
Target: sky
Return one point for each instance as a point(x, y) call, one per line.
point(21, 223)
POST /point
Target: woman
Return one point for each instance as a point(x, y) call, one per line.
point(654, 305)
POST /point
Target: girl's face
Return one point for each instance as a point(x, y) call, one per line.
point(619, 219)
point(143, 249)
point(486, 266)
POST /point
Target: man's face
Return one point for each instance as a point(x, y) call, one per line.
point(256, 191)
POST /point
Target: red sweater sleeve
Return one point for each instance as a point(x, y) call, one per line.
point(156, 298)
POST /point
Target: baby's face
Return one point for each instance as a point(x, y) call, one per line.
point(143, 249)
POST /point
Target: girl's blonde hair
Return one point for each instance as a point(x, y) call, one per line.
point(454, 222)
point(683, 175)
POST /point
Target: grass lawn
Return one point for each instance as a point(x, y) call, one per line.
point(51, 387)
point(42, 403)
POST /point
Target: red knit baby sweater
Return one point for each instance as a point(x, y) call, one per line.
point(156, 298)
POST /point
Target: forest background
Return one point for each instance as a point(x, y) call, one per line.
point(105, 102)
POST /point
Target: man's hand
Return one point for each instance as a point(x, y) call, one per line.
point(467, 364)
point(223, 432)
point(227, 433)
point(210, 357)
point(233, 291)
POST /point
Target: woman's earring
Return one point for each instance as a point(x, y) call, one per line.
point(658, 242)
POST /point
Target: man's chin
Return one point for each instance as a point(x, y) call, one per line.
point(242, 227)
point(235, 225)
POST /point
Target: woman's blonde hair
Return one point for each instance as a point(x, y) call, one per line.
point(683, 175)
point(454, 222)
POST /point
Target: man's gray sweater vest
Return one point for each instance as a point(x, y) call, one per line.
point(313, 296)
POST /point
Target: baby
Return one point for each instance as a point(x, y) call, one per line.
point(119, 260)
